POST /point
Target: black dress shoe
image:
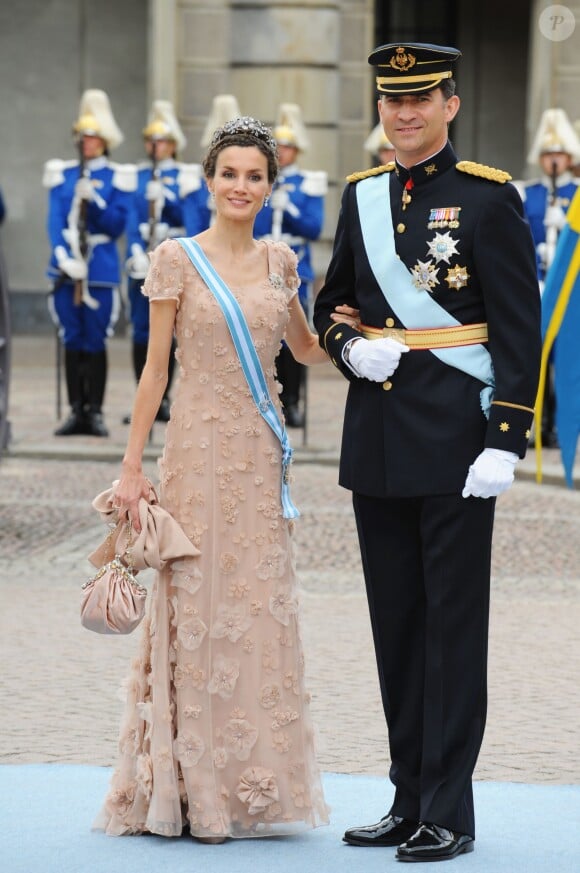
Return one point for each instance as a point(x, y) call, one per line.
point(96, 424)
point(434, 843)
point(74, 424)
point(389, 831)
point(293, 416)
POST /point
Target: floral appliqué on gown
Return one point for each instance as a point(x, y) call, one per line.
point(216, 733)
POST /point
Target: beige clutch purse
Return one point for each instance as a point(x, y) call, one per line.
point(113, 601)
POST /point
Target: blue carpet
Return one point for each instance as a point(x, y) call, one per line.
point(47, 810)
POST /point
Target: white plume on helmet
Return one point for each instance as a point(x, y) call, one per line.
point(96, 118)
point(163, 124)
point(555, 134)
point(224, 108)
point(290, 129)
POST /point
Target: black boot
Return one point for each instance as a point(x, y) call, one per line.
point(139, 356)
point(96, 423)
point(76, 423)
point(96, 380)
point(74, 373)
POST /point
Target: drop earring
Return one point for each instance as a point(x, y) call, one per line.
point(266, 199)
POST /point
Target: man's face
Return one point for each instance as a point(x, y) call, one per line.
point(92, 146)
point(286, 155)
point(164, 148)
point(416, 124)
point(562, 160)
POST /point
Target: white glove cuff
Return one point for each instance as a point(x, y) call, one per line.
point(502, 454)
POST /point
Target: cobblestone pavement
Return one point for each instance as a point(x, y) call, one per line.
point(58, 685)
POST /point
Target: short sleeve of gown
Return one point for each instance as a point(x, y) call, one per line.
point(164, 281)
point(287, 264)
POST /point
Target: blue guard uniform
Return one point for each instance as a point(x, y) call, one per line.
point(546, 200)
point(196, 202)
point(86, 217)
point(158, 212)
point(302, 220)
point(181, 183)
point(536, 196)
point(295, 215)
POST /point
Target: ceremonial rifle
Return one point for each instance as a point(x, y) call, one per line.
point(81, 285)
point(154, 217)
point(551, 231)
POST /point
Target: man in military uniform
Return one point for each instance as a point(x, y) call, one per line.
point(438, 258)
point(89, 200)
point(294, 214)
point(156, 214)
point(556, 148)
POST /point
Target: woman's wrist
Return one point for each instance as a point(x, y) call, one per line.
point(131, 465)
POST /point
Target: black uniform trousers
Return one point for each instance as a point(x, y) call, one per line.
point(426, 562)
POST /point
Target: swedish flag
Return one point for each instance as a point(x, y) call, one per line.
point(561, 319)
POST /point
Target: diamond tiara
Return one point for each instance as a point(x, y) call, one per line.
point(249, 125)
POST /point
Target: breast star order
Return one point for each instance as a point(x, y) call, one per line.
point(424, 275)
point(457, 277)
point(442, 246)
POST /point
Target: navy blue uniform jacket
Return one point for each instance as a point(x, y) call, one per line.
point(418, 433)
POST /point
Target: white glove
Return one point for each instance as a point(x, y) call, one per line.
point(279, 199)
point(161, 231)
point(138, 263)
point(154, 191)
point(491, 473)
point(76, 268)
point(376, 359)
point(84, 189)
point(555, 217)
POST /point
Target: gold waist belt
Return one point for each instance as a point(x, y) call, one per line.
point(431, 338)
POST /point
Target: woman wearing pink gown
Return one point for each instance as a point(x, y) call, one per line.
point(216, 735)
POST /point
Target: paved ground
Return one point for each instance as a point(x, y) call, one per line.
point(58, 682)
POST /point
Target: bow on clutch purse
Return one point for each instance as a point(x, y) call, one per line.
point(113, 601)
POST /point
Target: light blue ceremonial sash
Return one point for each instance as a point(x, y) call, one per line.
point(248, 358)
point(415, 309)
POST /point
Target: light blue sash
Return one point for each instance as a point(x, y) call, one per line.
point(248, 358)
point(415, 309)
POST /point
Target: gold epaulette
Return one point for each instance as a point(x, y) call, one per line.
point(374, 171)
point(484, 171)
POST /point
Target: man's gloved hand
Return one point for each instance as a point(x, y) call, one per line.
point(376, 359)
point(280, 200)
point(138, 263)
point(555, 217)
point(76, 268)
point(84, 189)
point(154, 191)
point(491, 473)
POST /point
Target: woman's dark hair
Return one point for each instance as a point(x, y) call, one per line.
point(243, 132)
